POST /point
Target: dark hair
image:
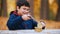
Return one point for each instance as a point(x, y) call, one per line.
point(22, 2)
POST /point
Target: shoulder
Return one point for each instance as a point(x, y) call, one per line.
point(14, 12)
point(11, 12)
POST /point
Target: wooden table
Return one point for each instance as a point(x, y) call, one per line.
point(46, 31)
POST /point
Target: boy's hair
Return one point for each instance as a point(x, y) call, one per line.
point(22, 3)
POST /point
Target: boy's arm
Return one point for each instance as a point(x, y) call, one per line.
point(13, 21)
point(30, 24)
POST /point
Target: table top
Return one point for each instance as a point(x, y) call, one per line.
point(46, 31)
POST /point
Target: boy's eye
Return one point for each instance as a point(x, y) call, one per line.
point(24, 8)
point(28, 10)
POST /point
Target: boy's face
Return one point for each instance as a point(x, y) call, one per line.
point(23, 10)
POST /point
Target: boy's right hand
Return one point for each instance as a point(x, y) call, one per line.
point(25, 17)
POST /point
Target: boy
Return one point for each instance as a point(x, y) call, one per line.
point(21, 18)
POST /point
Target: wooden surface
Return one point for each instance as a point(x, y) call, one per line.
point(46, 31)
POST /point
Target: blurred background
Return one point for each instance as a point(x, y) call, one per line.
point(46, 10)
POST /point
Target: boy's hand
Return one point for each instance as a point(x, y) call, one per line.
point(25, 17)
point(43, 24)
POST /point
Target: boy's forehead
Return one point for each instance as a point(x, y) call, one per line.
point(25, 7)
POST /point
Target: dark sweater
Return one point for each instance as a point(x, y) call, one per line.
point(16, 22)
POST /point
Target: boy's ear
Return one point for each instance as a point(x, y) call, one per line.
point(17, 8)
